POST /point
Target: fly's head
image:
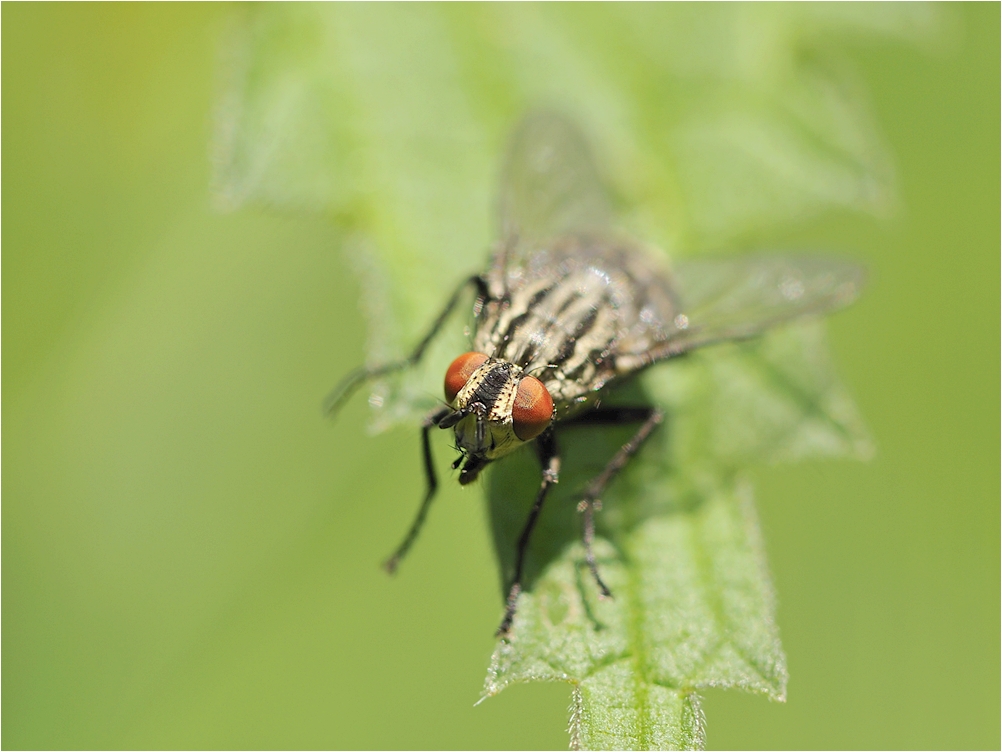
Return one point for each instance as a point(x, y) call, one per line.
point(497, 409)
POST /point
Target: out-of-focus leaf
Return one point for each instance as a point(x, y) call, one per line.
point(710, 122)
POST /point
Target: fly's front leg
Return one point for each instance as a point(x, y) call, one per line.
point(359, 376)
point(549, 458)
point(430, 421)
point(651, 417)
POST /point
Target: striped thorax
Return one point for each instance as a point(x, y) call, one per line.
point(569, 310)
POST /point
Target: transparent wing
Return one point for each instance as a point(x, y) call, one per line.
point(550, 187)
point(728, 299)
point(549, 183)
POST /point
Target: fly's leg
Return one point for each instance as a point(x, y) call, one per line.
point(549, 458)
point(359, 376)
point(651, 417)
point(432, 420)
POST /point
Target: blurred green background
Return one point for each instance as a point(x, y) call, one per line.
point(190, 553)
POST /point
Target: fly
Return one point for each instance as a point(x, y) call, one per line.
point(569, 309)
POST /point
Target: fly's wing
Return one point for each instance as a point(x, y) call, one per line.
point(720, 300)
point(550, 187)
point(549, 184)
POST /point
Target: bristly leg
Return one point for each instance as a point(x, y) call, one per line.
point(430, 421)
point(359, 376)
point(651, 417)
point(549, 459)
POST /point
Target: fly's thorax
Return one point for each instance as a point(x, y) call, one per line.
point(568, 309)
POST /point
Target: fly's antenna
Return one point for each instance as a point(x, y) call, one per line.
point(454, 417)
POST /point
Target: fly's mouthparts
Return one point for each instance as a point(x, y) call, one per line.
point(474, 464)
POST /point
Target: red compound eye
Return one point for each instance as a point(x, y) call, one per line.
point(460, 371)
point(533, 409)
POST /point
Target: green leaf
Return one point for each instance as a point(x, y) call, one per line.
point(710, 123)
point(692, 603)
